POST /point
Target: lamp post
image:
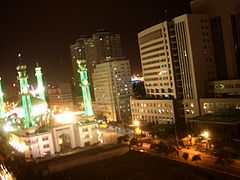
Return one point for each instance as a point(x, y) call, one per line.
point(137, 124)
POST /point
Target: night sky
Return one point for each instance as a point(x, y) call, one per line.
point(42, 30)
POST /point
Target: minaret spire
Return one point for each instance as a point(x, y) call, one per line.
point(40, 88)
point(26, 100)
point(87, 100)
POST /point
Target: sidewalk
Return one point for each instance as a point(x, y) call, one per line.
point(206, 162)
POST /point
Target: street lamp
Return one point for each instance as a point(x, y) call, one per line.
point(205, 134)
point(137, 129)
point(136, 123)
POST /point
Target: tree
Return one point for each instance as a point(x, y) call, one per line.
point(185, 156)
point(196, 157)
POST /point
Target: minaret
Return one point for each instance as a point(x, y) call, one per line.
point(26, 101)
point(40, 88)
point(85, 88)
point(2, 108)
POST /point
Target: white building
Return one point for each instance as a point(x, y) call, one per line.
point(157, 67)
point(113, 89)
point(46, 141)
point(153, 111)
point(177, 60)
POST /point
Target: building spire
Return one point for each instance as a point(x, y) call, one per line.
point(87, 100)
point(40, 88)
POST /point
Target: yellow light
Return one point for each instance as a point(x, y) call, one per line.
point(138, 131)
point(205, 134)
point(21, 147)
point(65, 118)
point(7, 128)
point(136, 123)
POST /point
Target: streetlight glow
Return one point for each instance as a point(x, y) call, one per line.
point(136, 123)
point(205, 134)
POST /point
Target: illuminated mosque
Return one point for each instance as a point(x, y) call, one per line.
point(35, 131)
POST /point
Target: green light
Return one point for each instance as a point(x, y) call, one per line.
point(26, 101)
point(40, 88)
point(87, 100)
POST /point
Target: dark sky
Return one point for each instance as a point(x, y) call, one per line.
point(43, 29)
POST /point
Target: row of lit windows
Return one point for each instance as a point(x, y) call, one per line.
point(162, 90)
point(222, 86)
point(156, 118)
point(156, 111)
point(154, 62)
point(153, 50)
point(151, 36)
point(156, 79)
point(153, 56)
point(156, 67)
point(152, 44)
point(166, 105)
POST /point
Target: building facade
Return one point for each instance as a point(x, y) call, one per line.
point(94, 49)
point(171, 54)
point(51, 140)
point(153, 111)
point(224, 88)
point(113, 89)
point(60, 97)
point(224, 18)
point(196, 59)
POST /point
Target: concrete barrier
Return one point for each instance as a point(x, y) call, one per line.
point(67, 163)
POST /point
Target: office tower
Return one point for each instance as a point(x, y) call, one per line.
point(113, 89)
point(224, 17)
point(177, 60)
point(196, 59)
point(101, 47)
point(77, 53)
point(156, 61)
point(97, 48)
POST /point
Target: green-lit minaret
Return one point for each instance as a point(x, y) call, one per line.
point(40, 88)
point(26, 101)
point(87, 100)
point(2, 108)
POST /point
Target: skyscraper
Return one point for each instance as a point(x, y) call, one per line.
point(113, 89)
point(177, 60)
point(77, 53)
point(224, 17)
point(97, 48)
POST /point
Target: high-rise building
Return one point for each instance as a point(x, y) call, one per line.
point(77, 53)
point(101, 47)
point(113, 89)
point(97, 48)
point(156, 61)
point(224, 17)
point(196, 59)
point(177, 60)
